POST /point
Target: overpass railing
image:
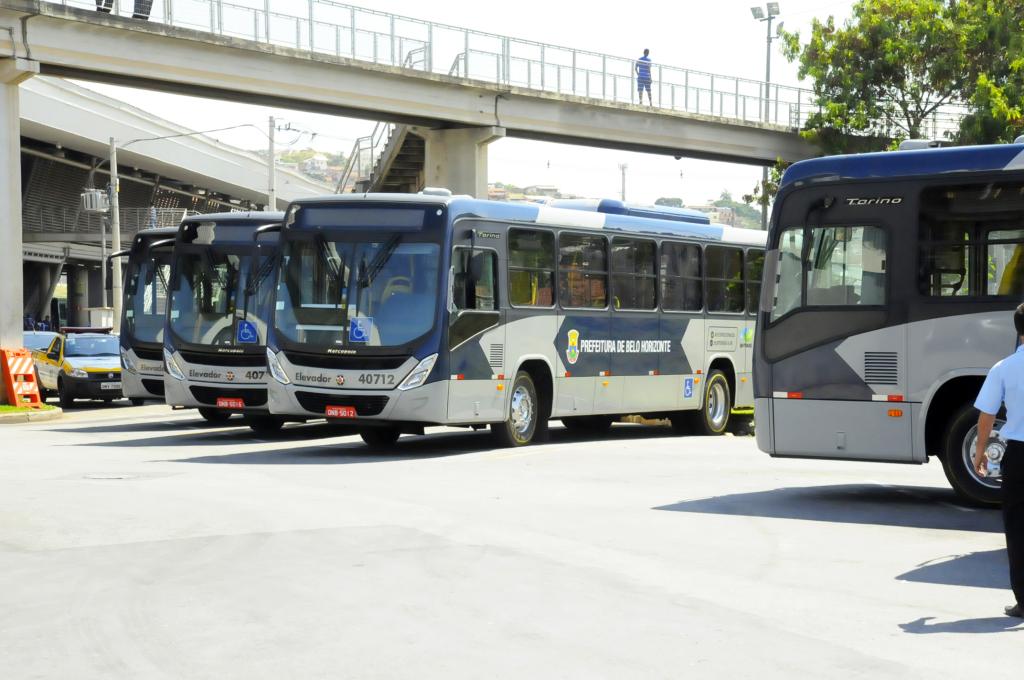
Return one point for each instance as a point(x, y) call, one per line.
point(344, 30)
point(63, 220)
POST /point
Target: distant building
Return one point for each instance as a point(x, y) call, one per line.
point(497, 193)
point(542, 190)
point(316, 166)
point(717, 214)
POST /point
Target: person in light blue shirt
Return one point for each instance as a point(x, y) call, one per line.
point(1004, 386)
point(643, 77)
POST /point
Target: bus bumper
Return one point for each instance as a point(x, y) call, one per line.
point(231, 397)
point(427, 404)
point(763, 430)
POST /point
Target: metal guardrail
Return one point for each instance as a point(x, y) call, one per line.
point(343, 30)
point(61, 220)
point(365, 156)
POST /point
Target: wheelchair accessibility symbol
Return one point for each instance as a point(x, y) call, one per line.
point(360, 328)
point(688, 388)
point(246, 333)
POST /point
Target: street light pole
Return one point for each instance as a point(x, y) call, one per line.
point(767, 15)
point(271, 170)
point(622, 168)
point(115, 236)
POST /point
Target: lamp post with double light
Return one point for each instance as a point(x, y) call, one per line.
point(767, 15)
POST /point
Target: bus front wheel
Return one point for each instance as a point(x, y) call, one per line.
point(958, 459)
point(523, 411)
point(380, 437)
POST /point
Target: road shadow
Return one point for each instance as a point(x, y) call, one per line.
point(232, 433)
point(986, 569)
point(410, 447)
point(896, 506)
point(198, 425)
point(989, 625)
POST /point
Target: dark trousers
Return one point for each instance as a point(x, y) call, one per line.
point(105, 5)
point(1013, 514)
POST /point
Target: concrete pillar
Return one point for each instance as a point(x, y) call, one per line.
point(456, 159)
point(12, 73)
point(78, 295)
point(40, 281)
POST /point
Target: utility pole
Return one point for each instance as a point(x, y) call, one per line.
point(622, 168)
point(767, 17)
point(115, 236)
point(271, 170)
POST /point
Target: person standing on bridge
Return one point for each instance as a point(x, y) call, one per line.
point(643, 77)
point(1005, 386)
point(104, 6)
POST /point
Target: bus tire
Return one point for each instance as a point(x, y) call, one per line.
point(265, 424)
point(713, 417)
point(521, 422)
point(380, 437)
point(137, 401)
point(958, 445)
point(214, 415)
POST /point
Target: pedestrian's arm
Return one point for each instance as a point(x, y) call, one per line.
point(985, 423)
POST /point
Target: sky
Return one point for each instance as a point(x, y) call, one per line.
point(719, 37)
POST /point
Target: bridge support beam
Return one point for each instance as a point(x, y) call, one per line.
point(13, 71)
point(456, 158)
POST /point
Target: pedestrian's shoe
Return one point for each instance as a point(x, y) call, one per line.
point(1016, 611)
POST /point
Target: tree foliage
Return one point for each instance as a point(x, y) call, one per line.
point(670, 202)
point(885, 70)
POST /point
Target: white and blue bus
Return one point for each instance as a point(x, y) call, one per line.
point(890, 281)
point(214, 347)
point(394, 312)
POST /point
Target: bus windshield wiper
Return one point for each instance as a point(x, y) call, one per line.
point(378, 262)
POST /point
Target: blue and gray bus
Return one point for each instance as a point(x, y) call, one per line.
point(394, 312)
point(215, 344)
point(143, 311)
point(890, 280)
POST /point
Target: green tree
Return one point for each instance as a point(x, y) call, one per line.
point(996, 72)
point(764, 192)
point(884, 71)
point(670, 202)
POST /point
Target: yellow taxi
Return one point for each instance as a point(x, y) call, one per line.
point(80, 364)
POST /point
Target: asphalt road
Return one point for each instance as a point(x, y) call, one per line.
point(140, 543)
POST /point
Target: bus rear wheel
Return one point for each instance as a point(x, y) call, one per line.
point(713, 418)
point(523, 413)
point(958, 456)
point(213, 415)
point(380, 437)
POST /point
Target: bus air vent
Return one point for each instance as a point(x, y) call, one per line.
point(881, 368)
point(497, 356)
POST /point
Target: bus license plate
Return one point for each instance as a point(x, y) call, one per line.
point(340, 412)
point(110, 386)
point(230, 403)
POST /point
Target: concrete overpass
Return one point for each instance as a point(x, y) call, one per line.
point(64, 130)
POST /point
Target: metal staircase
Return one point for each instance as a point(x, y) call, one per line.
point(389, 160)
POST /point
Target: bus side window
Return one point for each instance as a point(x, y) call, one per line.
point(531, 268)
point(847, 266)
point(724, 270)
point(582, 271)
point(682, 277)
point(634, 277)
point(752, 277)
point(474, 282)
point(789, 289)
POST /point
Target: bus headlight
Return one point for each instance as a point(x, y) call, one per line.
point(172, 366)
point(126, 361)
point(419, 374)
point(276, 369)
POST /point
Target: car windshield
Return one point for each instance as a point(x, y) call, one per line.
point(104, 346)
point(378, 293)
point(209, 304)
point(145, 300)
point(34, 341)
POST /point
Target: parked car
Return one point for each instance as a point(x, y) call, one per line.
point(80, 364)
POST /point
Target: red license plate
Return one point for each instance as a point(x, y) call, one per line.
point(340, 412)
point(230, 403)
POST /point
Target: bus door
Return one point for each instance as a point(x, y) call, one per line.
point(636, 332)
point(476, 337)
point(583, 342)
point(836, 349)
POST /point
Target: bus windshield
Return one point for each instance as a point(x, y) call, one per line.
point(209, 300)
point(146, 296)
point(338, 291)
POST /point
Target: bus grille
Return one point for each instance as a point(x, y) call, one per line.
point(149, 354)
point(153, 386)
point(209, 359)
point(209, 395)
point(881, 368)
point(350, 363)
point(365, 405)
